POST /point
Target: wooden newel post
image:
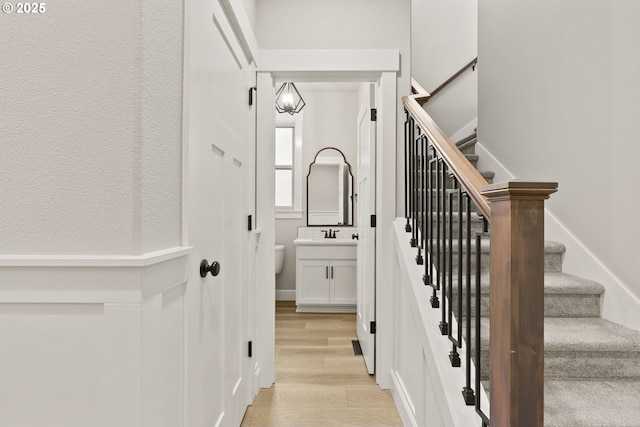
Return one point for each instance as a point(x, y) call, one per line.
point(517, 302)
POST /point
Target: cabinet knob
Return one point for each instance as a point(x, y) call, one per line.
point(205, 268)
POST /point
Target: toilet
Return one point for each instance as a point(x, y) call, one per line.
point(279, 258)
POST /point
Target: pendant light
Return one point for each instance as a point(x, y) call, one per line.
point(288, 99)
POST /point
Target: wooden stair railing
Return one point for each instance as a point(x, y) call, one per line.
point(515, 213)
point(425, 96)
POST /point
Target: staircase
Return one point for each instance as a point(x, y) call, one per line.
point(592, 366)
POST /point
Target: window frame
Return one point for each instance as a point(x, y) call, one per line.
point(295, 122)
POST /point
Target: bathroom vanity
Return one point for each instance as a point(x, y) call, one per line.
point(325, 275)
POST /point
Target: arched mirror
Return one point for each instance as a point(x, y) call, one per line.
point(329, 189)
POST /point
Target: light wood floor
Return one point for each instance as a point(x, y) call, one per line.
point(319, 381)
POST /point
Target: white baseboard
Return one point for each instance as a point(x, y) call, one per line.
point(465, 130)
point(619, 304)
point(401, 399)
point(285, 294)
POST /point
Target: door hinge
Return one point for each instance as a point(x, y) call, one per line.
point(373, 221)
point(372, 327)
point(250, 349)
point(374, 114)
point(249, 225)
point(251, 89)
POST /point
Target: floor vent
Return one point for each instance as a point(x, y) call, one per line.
point(357, 350)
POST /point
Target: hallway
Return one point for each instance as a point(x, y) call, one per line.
point(319, 381)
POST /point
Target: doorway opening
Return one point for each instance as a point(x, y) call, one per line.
point(352, 70)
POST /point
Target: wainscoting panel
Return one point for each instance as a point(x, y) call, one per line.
point(75, 355)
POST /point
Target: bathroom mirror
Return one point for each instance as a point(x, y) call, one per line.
point(329, 189)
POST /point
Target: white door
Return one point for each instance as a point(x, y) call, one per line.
point(220, 139)
point(218, 381)
point(366, 286)
point(237, 380)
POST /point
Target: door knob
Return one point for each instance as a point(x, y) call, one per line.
point(205, 268)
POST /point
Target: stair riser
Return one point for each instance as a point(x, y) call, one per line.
point(552, 262)
point(584, 365)
point(476, 227)
point(555, 305)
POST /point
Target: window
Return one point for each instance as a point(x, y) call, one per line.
point(284, 167)
point(288, 166)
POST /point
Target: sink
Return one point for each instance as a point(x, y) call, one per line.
point(323, 241)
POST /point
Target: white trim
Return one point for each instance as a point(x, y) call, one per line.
point(94, 260)
point(295, 121)
point(289, 214)
point(93, 280)
point(465, 130)
point(342, 61)
point(327, 308)
point(223, 22)
point(402, 401)
point(239, 21)
point(285, 294)
point(619, 304)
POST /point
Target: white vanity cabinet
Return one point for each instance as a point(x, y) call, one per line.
point(325, 275)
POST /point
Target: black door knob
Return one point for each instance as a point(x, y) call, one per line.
point(205, 268)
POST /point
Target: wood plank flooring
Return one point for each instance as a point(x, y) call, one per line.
point(319, 381)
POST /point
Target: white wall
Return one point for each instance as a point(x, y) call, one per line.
point(443, 40)
point(91, 128)
point(330, 118)
point(558, 100)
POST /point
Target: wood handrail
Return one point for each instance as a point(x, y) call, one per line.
point(421, 94)
point(472, 63)
point(471, 179)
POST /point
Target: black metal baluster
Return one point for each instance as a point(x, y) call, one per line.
point(407, 189)
point(422, 153)
point(414, 189)
point(435, 302)
point(447, 302)
point(428, 271)
point(467, 391)
point(443, 235)
point(454, 356)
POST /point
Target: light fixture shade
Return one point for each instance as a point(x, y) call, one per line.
point(288, 99)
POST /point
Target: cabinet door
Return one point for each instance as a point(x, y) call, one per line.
point(313, 282)
point(343, 282)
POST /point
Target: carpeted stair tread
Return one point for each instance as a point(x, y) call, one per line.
point(592, 335)
point(591, 404)
point(564, 283)
point(555, 283)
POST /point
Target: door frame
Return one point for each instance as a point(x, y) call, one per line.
point(381, 66)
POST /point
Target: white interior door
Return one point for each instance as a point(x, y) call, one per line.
point(220, 138)
point(236, 382)
point(366, 191)
point(206, 320)
point(221, 352)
